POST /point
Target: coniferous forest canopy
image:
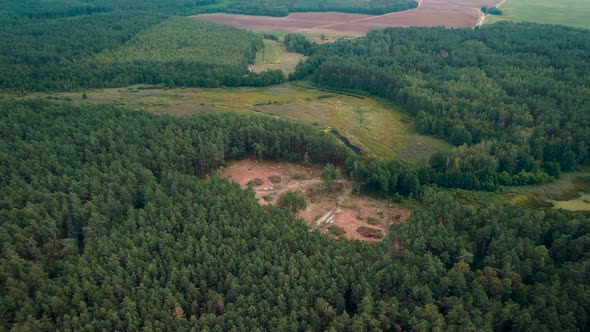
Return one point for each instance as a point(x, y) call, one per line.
point(115, 219)
point(107, 50)
point(106, 225)
point(517, 95)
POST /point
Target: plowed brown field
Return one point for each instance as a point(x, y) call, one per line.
point(447, 13)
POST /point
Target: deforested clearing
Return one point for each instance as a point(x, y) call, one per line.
point(341, 214)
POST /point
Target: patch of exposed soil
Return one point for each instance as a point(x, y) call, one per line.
point(358, 217)
point(358, 212)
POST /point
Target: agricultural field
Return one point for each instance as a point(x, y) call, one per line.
point(575, 13)
point(453, 13)
point(372, 125)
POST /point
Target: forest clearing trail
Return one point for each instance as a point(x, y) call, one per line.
point(325, 218)
point(481, 20)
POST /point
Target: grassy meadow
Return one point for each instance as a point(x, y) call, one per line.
point(271, 52)
point(569, 192)
point(375, 126)
point(574, 13)
point(274, 56)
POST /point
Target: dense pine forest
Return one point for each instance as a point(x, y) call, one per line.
point(517, 96)
point(114, 49)
point(117, 219)
point(59, 45)
point(106, 224)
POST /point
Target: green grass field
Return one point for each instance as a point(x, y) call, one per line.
point(375, 126)
point(274, 56)
point(570, 192)
point(271, 52)
point(564, 188)
point(574, 13)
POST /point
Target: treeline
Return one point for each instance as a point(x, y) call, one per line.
point(298, 43)
point(465, 168)
point(53, 9)
point(106, 225)
point(491, 10)
point(516, 94)
point(371, 7)
point(108, 50)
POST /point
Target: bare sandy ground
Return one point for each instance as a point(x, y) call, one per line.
point(447, 13)
point(345, 211)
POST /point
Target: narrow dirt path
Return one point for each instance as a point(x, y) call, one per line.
point(324, 218)
point(482, 16)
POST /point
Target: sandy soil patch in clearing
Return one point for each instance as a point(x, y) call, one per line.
point(346, 211)
point(248, 170)
point(359, 211)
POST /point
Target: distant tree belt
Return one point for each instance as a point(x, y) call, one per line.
point(58, 8)
point(106, 225)
point(116, 49)
point(517, 95)
point(491, 10)
point(284, 7)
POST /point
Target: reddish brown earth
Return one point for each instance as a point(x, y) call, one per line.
point(346, 211)
point(447, 13)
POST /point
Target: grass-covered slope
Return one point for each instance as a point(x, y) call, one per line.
point(517, 95)
point(376, 127)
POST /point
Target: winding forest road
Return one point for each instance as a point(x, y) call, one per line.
point(324, 218)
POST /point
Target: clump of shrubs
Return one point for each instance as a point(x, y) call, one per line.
point(372, 233)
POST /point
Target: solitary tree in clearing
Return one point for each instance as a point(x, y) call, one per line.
point(330, 176)
point(292, 201)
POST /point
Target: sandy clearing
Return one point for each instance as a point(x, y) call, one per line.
point(447, 13)
point(247, 170)
point(347, 211)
